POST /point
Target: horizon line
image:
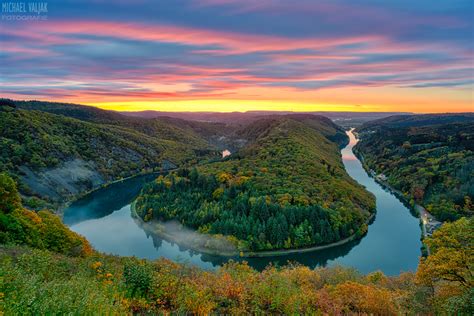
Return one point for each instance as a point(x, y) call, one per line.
point(106, 107)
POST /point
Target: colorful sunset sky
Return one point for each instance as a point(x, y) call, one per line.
point(239, 55)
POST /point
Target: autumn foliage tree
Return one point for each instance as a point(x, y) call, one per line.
point(448, 270)
point(42, 229)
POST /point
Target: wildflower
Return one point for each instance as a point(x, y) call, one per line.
point(96, 265)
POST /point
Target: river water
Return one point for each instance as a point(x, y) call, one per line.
point(391, 245)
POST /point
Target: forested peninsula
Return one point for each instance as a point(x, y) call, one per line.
point(287, 188)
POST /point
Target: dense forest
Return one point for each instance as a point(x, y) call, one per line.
point(429, 158)
point(48, 269)
point(286, 189)
point(55, 157)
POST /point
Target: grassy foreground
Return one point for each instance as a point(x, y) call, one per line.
point(38, 282)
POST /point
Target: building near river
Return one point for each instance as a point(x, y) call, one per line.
point(226, 153)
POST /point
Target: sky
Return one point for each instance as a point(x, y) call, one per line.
point(240, 55)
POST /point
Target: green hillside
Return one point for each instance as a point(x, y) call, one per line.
point(429, 158)
point(189, 132)
point(56, 157)
point(41, 230)
point(418, 120)
point(286, 189)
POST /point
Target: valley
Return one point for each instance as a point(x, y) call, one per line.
point(390, 251)
point(291, 193)
point(237, 157)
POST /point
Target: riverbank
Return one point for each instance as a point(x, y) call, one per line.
point(275, 253)
point(219, 245)
point(60, 209)
point(175, 232)
point(425, 218)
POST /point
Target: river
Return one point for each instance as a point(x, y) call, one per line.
point(391, 245)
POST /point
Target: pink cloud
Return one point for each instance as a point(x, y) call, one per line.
point(21, 52)
point(345, 66)
point(54, 32)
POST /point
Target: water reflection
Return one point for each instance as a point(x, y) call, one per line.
point(104, 201)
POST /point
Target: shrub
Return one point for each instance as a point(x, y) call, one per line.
point(138, 277)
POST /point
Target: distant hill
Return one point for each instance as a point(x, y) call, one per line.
point(80, 112)
point(346, 119)
point(164, 127)
point(418, 120)
point(287, 188)
point(430, 158)
point(93, 114)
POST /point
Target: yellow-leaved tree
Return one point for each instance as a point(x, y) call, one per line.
point(448, 270)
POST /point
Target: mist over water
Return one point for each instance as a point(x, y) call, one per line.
point(118, 234)
point(185, 237)
point(391, 245)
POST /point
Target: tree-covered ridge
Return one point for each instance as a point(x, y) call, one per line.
point(289, 159)
point(286, 189)
point(432, 164)
point(410, 120)
point(323, 125)
point(192, 133)
point(32, 143)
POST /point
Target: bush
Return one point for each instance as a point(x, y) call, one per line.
point(138, 278)
point(41, 283)
point(9, 197)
